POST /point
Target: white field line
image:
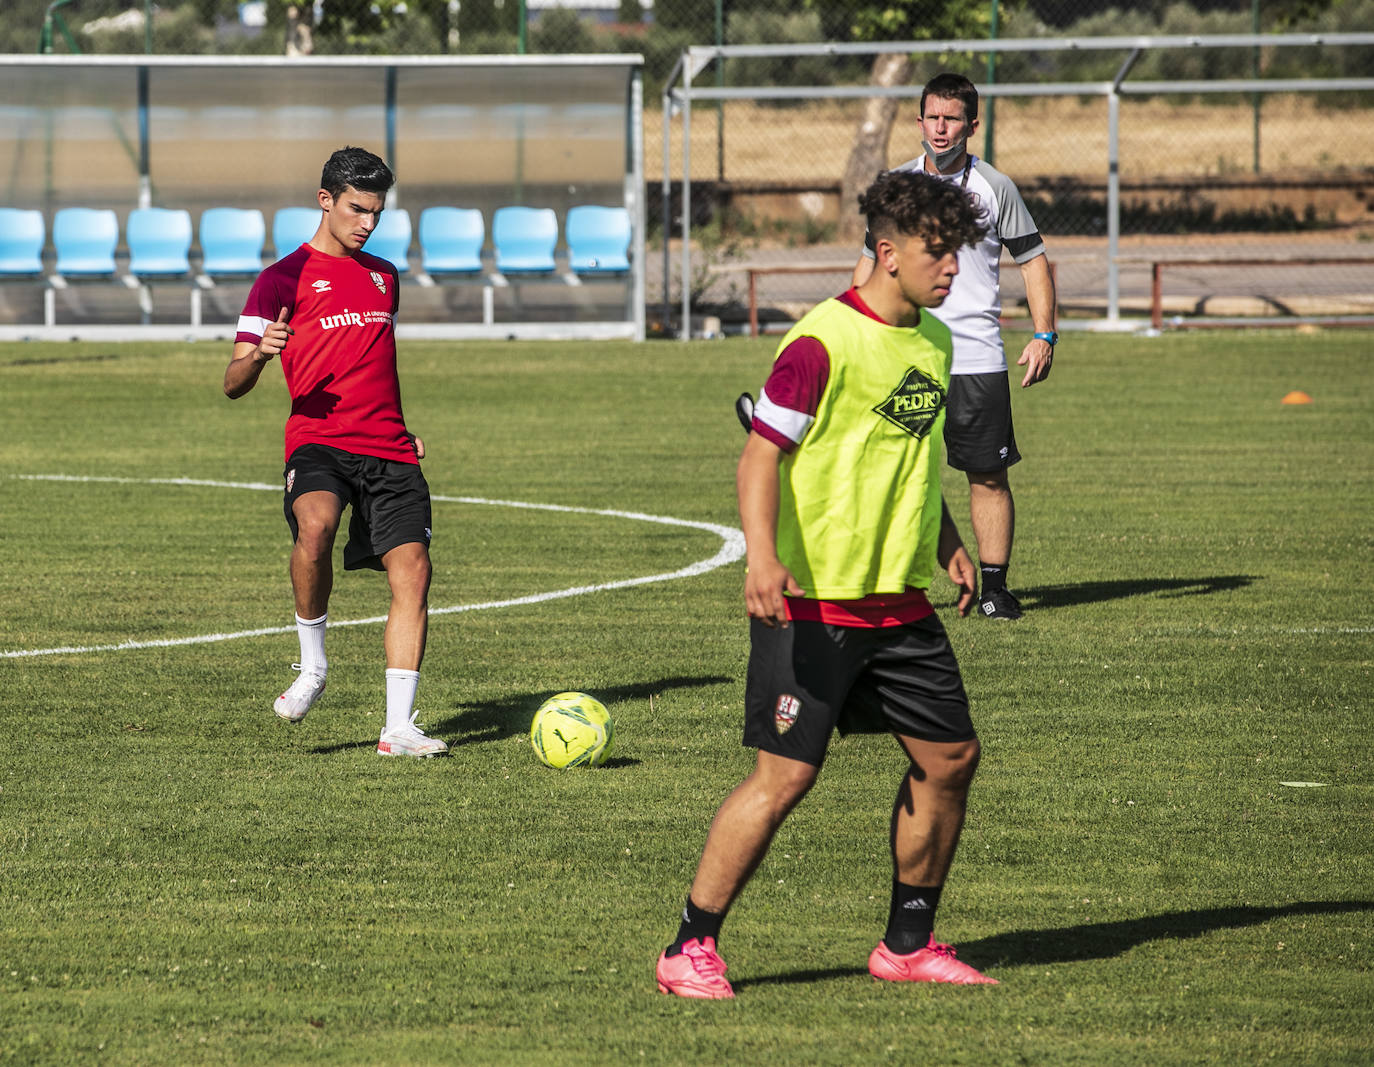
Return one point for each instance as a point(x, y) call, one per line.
point(731, 549)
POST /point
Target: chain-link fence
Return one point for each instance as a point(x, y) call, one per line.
point(802, 144)
point(660, 29)
point(767, 174)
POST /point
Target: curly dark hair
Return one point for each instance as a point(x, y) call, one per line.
point(358, 168)
point(913, 203)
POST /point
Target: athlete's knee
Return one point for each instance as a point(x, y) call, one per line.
point(315, 537)
point(409, 570)
point(957, 764)
point(990, 482)
point(783, 781)
point(947, 767)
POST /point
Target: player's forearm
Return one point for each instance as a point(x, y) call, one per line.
point(950, 542)
point(242, 374)
point(1040, 294)
point(757, 485)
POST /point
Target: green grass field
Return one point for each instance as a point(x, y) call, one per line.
point(186, 879)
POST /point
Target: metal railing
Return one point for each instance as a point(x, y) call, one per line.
point(680, 93)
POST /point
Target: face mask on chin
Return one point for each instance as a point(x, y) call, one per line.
point(947, 157)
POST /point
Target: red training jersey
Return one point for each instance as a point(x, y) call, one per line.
point(340, 364)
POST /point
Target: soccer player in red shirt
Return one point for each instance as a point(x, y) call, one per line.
point(328, 309)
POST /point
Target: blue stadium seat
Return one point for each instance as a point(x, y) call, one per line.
point(21, 242)
point(292, 227)
point(85, 239)
point(159, 242)
point(231, 241)
point(525, 239)
point(598, 239)
point(451, 240)
point(391, 239)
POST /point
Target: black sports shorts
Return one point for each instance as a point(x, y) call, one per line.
point(390, 500)
point(811, 677)
point(978, 432)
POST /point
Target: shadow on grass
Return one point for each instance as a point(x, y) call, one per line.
point(498, 719)
point(1064, 596)
point(1091, 941)
point(510, 716)
point(1096, 941)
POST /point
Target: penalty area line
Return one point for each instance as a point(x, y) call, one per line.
point(731, 549)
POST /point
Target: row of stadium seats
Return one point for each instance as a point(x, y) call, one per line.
point(452, 244)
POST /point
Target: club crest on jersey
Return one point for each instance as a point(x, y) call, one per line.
point(915, 404)
point(785, 714)
point(379, 282)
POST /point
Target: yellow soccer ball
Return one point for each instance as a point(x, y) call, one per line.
point(572, 730)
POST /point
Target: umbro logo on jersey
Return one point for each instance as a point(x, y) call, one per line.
point(321, 286)
point(379, 282)
point(915, 404)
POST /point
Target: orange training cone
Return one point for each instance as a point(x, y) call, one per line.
point(1297, 396)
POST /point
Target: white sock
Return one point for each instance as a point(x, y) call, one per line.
point(311, 633)
point(400, 696)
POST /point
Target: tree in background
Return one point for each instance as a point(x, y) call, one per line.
point(893, 20)
point(561, 30)
point(696, 19)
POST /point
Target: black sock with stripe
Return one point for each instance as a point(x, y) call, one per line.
point(911, 918)
point(698, 924)
point(994, 577)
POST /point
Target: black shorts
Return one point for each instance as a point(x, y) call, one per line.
point(810, 678)
point(978, 432)
point(390, 500)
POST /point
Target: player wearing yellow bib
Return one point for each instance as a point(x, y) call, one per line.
point(839, 496)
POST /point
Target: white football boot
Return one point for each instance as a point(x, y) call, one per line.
point(409, 740)
point(300, 695)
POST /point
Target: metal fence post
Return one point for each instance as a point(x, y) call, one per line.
point(669, 98)
point(638, 214)
point(1114, 186)
point(1113, 203)
point(685, 334)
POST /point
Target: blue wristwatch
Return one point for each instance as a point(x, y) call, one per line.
point(1051, 338)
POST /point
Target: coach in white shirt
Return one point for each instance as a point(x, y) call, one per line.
point(979, 438)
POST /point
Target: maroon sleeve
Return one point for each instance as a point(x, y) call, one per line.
point(792, 394)
point(274, 289)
